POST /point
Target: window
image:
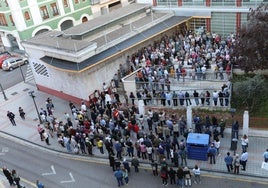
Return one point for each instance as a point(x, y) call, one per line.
point(11, 20)
point(65, 3)
point(44, 12)
point(26, 15)
point(76, 1)
point(3, 21)
point(54, 9)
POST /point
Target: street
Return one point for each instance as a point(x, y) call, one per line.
point(11, 78)
point(68, 171)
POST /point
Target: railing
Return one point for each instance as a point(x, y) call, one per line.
point(213, 3)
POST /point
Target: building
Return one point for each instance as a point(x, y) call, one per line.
point(220, 16)
point(73, 63)
point(23, 19)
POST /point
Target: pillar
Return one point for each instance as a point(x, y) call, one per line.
point(238, 22)
point(141, 107)
point(208, 24)
point(208, 3)
point(245, 122)
point(189, 117)
point(238, 3)
point(154, 3)
point(179, 3)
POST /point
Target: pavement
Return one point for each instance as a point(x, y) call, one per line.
point(26, 132)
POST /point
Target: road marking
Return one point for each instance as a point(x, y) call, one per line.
point(4, 150)
point(69, 181)
point(50, 173)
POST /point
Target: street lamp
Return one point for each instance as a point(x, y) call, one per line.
point(3, 91)
point(31, 93)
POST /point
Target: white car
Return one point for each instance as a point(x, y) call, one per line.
point(13, 62)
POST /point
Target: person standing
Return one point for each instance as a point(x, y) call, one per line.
point(8, 175)
point(187, 177)
point(235, 129)
point(243, 160)
point(172, 175)
point(22, 113)
point(125, 176)
point(183, 156)
point(196, 97)
point(197, 172)
point(11, 117)
point(154, 167)
point(164, 175)
point(119, 177)
point(40, 131)
point(135, 163)
point(112, 161)
point(45, 136)
point(100, 145)
point(39, 184)
point(126, 165)
point(229, 162)
point(16, 178)
point(265, 156)
point(211, 153)
point(180, 177)
point(244, 143)
point(132, 97)
point(236, 164)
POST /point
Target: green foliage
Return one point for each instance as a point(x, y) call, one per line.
point(251, 48)
point(249, 92)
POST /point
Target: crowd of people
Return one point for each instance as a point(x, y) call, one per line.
point(178, 57)
point(118, 130)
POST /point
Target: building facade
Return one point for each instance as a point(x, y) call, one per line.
point(220, 16)
point(23, 19)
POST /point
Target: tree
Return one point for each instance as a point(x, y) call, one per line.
point(251, 48)
point(250, 93)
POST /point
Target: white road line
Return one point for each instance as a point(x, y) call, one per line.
point(69, 181)
point(50, 173)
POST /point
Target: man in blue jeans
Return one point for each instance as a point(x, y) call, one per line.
point(211, 153)
point(119, 176)
point(229, 162)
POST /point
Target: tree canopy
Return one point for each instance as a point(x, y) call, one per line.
point(250, 92)
point(251, 48)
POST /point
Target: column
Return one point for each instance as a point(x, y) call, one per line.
point(154, 3)
point(238, 22)
point(238, 3)
point(179, 3)
point(208, 3)
point(189, 117)
point(141, 107)
point(208, 24)
point(245, 122)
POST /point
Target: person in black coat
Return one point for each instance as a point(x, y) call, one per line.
point(8, 176)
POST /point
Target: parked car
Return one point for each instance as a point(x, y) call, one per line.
point(13, 62)
point(3, 57)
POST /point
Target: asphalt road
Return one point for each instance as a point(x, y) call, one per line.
point(63, 171)
point(11, 78)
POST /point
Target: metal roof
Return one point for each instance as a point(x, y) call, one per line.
point(69, 66)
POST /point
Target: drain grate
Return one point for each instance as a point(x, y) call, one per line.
point(35, 119)
point(15, 93)
point(27, 89)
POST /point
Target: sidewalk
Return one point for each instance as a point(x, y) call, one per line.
point(26, 130)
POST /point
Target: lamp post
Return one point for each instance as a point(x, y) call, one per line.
point(31, 93)
point(3, 91)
